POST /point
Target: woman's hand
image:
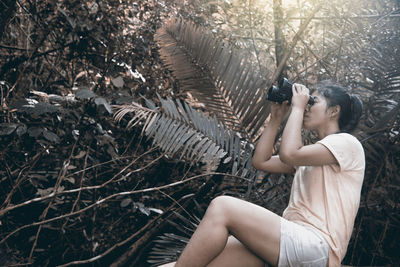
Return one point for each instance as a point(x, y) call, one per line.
point(301, 95)
point(263, 158)
point(278, 111)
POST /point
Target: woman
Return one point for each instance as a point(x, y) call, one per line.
point(316, 226)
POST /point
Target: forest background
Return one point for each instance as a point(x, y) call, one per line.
point(121, 120)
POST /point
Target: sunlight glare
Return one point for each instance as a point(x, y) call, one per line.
point(291, 3)
point(285, 3)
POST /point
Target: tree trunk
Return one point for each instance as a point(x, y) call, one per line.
point(280, 43)
point(7, 9)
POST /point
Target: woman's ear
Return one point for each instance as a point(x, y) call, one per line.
point(334, 111)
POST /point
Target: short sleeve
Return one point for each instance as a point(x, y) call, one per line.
point(346, 149)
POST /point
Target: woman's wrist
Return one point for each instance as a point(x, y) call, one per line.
point(275, 122)
point(298, 109)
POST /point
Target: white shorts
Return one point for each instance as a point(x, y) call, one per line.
point(302, 246)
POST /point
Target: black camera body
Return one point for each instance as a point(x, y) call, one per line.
point(283, 92)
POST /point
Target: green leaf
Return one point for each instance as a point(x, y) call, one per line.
point(52, 137)
point(84, 94)
point(125, 202)
point(7, 128)
point(118, 82)
point(103, 103)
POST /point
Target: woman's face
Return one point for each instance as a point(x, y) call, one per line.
point(316, 115)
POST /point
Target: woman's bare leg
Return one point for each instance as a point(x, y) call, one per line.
point(235, 254)
point(258, 229)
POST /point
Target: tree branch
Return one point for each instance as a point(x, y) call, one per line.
point(295, 39)
point(12, 207)
point(146, 190)
point(120, 244)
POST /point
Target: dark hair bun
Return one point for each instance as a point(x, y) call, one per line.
point(356, 111)
point(350, 105)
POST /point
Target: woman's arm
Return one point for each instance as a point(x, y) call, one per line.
point(292, 151)
point(262, 158)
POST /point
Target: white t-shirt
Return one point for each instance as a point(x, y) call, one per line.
point(327, 197)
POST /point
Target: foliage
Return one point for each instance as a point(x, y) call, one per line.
point(68, 173)
point(230, 86)
point(347, 48)
point(182, 129)
point(79, 188)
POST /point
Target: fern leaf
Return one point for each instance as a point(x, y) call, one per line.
point(177, 127)
point(217, 75)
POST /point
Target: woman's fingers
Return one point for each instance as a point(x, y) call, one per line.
point(300, 95)
point(278, 111)
point(300, 89)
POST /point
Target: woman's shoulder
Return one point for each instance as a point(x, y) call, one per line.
point(347, 150)
point(350, 138)
point(343, 137)
point(345, 140)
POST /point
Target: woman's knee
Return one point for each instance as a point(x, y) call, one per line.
point(220, 206)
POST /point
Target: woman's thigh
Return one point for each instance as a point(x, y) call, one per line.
point(235, 254)
point(257, 228)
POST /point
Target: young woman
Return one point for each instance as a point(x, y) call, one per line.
point(315, 228)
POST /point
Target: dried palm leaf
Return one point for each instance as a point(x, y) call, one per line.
point(217, 75)
point(177, 128)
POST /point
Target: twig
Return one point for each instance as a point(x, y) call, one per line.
point(9, 176)
point(31, 56)
point(379, 16)
point(140, 169)
point(60, 178)
point(12, 207)
point(252, 36)
point(80, 186)
point(44, 214)
point(106, 162)
point(295, 39)
point(379, 245)
point(319, 60)
point(313, 64)
point(12, 47)
point(372, 186)
point(17, 264)
point(20, 180)
point(340, 50)
point(356, 239)
point(177, 203)
point(110, 197)
point(96, 258)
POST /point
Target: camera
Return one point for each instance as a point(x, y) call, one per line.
point(283, 92)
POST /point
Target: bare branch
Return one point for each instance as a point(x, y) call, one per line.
point(10, 207)
point(97, 203)
point(295, 39)
point(96, 258)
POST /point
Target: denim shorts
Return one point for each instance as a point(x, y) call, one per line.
point(302, 246)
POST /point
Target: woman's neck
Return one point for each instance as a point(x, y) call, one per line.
point(330, 128)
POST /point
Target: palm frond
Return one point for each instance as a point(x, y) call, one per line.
point(177, 128)
point(380, 66)
point(168, 246)
point(141, 113)
point(216, 74)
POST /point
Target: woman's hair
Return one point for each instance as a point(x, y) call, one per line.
point(350, 105)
